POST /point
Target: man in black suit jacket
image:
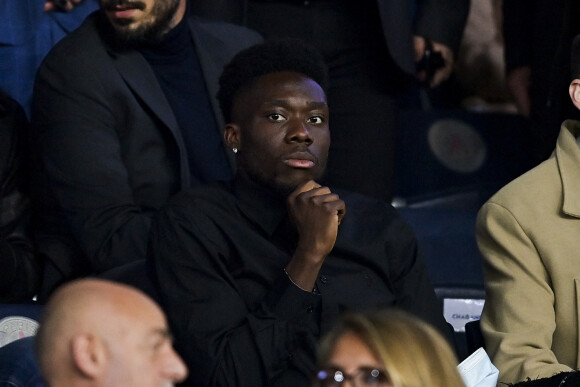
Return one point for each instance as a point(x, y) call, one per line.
point(124, 116)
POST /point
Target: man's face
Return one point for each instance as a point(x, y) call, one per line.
point(282, 126)
point(137, 21)
point(142, 354)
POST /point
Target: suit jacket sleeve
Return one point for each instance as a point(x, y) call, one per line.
point(518, 320)
point(77, 133)
point(442, 21)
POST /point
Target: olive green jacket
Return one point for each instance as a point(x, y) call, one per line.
point(529, 235)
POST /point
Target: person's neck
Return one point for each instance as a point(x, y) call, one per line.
point(276, 193)
point(173, 48)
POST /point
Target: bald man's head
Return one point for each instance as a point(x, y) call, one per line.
point(97, 332)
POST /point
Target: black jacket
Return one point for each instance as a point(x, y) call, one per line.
point(218, 255)
point(110, 150)
point(19, 268)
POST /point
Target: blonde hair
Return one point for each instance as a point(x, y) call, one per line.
point(413, 353)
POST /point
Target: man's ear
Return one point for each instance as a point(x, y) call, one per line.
point(88, 355)
point(574, 91)
point(232, 136)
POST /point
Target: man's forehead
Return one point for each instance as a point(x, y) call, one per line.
point(280, 85)
point(314, 103)
point(289, 76)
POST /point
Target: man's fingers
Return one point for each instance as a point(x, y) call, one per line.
point(308, 186)
point(323, 195)
point(312, 193)
point(334, 205)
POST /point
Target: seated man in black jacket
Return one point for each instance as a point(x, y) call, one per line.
point(19, 267)
point(253, 271)
point(123, 117)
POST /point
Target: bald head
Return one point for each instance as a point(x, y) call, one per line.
point(97, 332)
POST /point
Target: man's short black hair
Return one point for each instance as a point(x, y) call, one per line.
point(271, 56)
point(575, 58)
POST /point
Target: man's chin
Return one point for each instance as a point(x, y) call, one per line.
point(122, 25)
point(137, 36)
point(287, 187)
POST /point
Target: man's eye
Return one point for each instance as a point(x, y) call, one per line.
point(276, 117)
point(157, 345)
point(315, 120)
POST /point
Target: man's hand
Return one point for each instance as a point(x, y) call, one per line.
point(441, 74)
point(60, 5)
point(316, 213)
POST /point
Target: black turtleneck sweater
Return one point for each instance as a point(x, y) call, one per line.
point(176, 65)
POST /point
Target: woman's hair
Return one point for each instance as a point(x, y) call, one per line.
point(412, 352)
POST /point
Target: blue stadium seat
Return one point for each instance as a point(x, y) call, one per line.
point(18, 366)
point(18, 325)
point(457, 155)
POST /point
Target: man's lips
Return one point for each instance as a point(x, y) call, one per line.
point(300, 160)
point(124, 13)
point(125, 10)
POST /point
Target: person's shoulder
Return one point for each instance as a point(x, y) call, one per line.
point(542, 181)
point(225, 31)
point(364, 209)
point(82, 42)
point(372, 220)
point(202, 198)
point(222, 27)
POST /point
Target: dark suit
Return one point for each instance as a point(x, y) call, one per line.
point(109, 146)
point(368, 46)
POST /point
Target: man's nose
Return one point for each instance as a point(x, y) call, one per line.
point(174, 367)
point(299, 132)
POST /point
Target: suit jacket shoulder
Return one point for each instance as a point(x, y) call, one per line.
point(231, 35)
point(216, 43)
point(83, 44)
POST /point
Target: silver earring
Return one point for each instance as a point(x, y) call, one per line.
point(235, 150)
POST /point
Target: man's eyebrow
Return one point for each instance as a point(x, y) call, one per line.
point(162, 332)
point(285, 103)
